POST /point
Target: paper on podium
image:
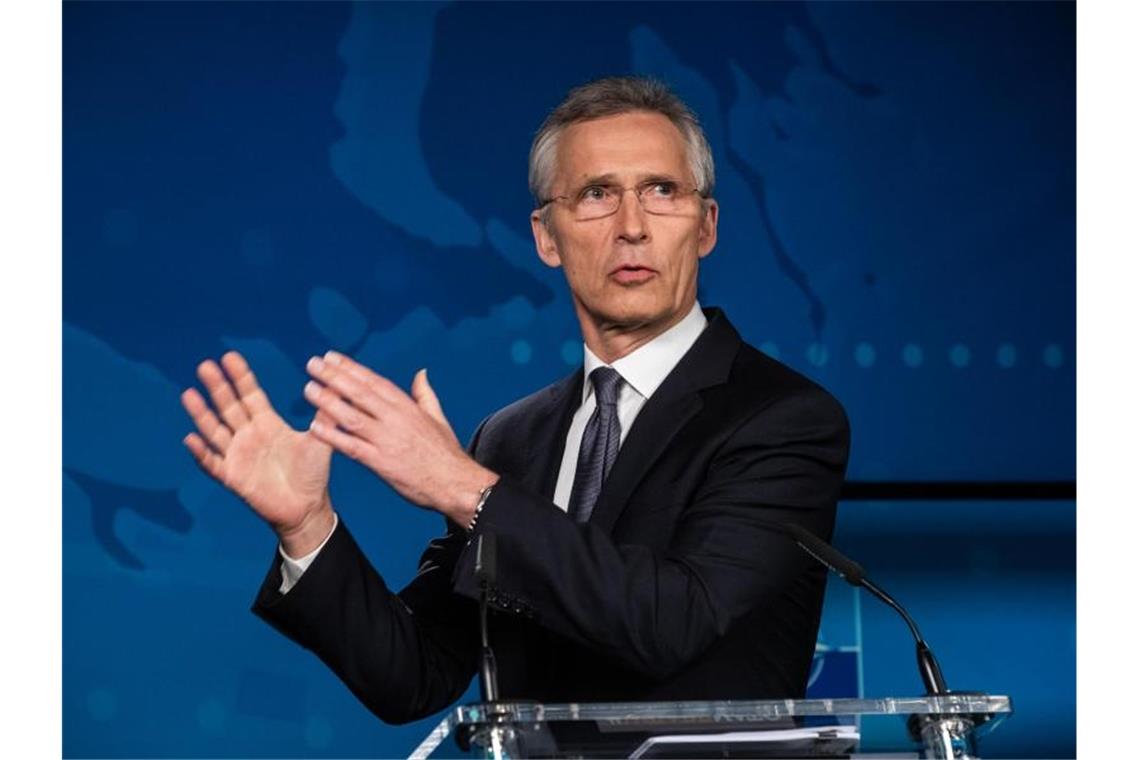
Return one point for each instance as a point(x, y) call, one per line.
point(819, 741)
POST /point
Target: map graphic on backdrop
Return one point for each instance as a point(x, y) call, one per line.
point(286, 179)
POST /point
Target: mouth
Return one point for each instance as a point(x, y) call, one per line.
point(632, 274)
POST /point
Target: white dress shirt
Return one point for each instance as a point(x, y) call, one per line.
point(293, 569)
point(642, 372)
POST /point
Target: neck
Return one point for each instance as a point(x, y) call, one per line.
point(611, 341)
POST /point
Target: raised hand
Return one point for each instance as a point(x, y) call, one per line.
point(405, 439)
point(246, 446)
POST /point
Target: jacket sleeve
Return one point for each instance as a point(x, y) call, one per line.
point(656, 611)
point(406, 655)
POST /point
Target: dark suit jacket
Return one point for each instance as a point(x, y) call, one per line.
point(676, 588)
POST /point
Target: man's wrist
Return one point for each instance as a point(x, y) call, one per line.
point(469, 495)
point(484, 495)
point(310, 534)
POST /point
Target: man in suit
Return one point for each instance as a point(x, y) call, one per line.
point(635, 505)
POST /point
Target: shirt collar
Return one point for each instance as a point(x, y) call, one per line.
point(647, 367)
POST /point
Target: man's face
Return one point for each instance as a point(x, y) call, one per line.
point(631, 269)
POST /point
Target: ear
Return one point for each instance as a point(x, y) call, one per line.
point(706, 236)
point(544, 240)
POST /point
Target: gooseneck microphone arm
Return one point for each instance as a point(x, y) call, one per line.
point(927, 665)
point(850, 571)
point(819, 549)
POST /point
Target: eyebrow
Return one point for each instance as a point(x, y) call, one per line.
point(611, 179)
point(599, 179)
point(660, 178)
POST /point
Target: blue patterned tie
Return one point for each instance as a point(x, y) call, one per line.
point(599, 446)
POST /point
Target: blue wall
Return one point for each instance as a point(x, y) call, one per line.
point(897, 185)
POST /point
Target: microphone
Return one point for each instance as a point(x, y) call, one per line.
point(850, 571)
point(485, 574)
point(498, 737)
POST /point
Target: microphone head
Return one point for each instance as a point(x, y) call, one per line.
point(485, 558)
point(846, 568)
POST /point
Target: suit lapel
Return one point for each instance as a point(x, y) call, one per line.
point(676, 401)
point(651, 434)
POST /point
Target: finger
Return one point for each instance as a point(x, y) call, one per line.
point(210, 462)
point(218, 435)
point(348, 386)
point(425, 396)
point(320, 418)
point(222, 395)
point(211, 429)
point(380, 385)
point(249, 391)
point(343, 414)
point(323, 418)
point(348, 444)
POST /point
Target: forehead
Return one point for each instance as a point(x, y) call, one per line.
point(628, 146)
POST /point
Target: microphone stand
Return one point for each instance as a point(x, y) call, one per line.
point(498, 738)
point(852, 572)
point(948, 735)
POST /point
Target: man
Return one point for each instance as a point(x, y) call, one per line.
point(633, 504)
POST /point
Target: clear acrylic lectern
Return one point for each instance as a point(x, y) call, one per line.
point(936, 727)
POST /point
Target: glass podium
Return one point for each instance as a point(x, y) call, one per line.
point(946, 726)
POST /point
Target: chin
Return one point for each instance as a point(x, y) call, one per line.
point(635, 314)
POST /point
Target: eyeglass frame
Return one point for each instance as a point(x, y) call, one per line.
point(638, 189)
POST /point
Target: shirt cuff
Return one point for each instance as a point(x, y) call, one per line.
point(293, 569)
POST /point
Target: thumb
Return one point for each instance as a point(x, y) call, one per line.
point(426, 398)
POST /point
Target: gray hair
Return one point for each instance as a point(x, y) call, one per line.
point(609, 97)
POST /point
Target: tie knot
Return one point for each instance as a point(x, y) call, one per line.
point(606, 382)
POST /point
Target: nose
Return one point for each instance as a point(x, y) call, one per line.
point(631, 218)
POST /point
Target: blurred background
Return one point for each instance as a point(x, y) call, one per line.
point(897, 191)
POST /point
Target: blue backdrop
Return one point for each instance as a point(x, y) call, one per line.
point(897, 185)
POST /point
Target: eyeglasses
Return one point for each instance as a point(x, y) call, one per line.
point(594, 201)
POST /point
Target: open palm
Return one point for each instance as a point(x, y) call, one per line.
point(244, 444)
